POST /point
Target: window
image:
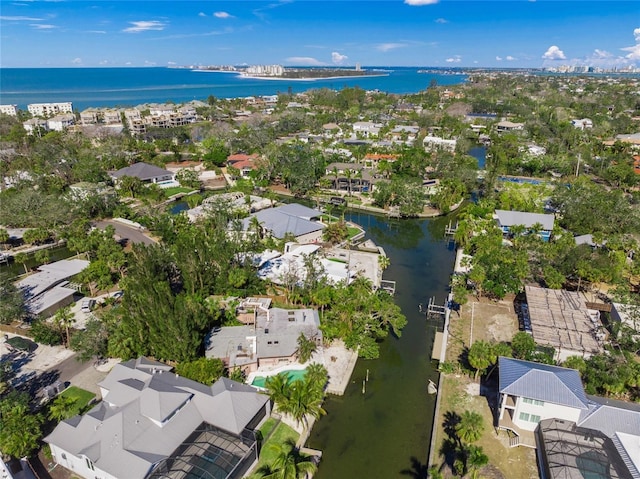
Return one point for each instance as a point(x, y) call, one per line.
point(534, 418)
point(89, 463)
point(524, 416)
point(535, 402)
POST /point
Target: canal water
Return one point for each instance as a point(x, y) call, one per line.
point(12, 270)
point(385, 432)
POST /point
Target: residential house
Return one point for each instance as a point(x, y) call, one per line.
point(34, 124)
point(48, 109)
point(372, 160)
point(631, 139)
point(61, 122)
point(144, 172)
point(245, 164)
point(506, 126)
point(627, 315)
point(584, 123)
point(293, 219)
point(270, 341)
point(153, 424)
point(350, 177)
point(433, 142)
point(407, 133)
point(366, 128)
point(49, 290)
point(89, 116)
point(563, 320)
point(111, 117)
point(508, 219)
point(576, 435)
point(11, 110)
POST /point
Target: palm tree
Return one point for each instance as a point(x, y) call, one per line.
point(470, 427)
point(384, 262)
point(475, 460)
point(22, 258)
point(63, 407)
point(304, 401)
point(278, 388)
point(288, 463)
point(306, 348)
point(317, 375)
point(64, 318)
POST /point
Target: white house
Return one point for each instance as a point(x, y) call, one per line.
point(582, 124)
point(145, 172)
point(61, 122)
point(152, 423)
point(366, 128)
point(434, 142)
point(33, 124)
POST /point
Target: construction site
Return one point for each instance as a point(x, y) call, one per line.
point(563, 320)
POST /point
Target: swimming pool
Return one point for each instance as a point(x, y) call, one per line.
point(294, 375)
point(520, 180)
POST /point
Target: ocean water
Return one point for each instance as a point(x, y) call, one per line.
point(110, 87)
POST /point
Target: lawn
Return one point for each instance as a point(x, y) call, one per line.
point(82, 397)
point(174, 190)
point(281, 434)
point(353, 231)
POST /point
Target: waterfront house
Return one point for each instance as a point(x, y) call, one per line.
point(11, 110)
point(34, 124)
point(431, 143)
point(89, 116)
point(153, 424)
point(293, 219)
point(576, 435)
point(61, 122)
point(49, 109)
point(269, 341)
point(508, 219)
point(144, 172)
point(349, 177)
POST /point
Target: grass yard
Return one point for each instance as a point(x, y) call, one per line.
point(280, 435)
point(82, 397)
point(353, 231)
point(174, 190)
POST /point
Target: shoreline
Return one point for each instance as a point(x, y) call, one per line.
point(258, 77)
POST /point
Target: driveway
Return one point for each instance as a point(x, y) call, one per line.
point(125, 232)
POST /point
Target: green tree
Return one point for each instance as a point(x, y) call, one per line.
point(204, 370)
point(64, 319)
point(470, 427)
point(475, 459)
point(62, 407)
point(480, 356)
point(306, 348)
point(288, 463)
point(132, 185)
point(4, 236)
point(91, 342)
point(20, 431)
point(22, 258)
point(335, 232)
point(523, 345)
point(12, 307)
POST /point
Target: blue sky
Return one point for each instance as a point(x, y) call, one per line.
point(313, 32)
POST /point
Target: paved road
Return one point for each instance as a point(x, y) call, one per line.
point(133, 235)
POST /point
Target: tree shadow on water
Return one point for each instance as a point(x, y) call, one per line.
point(417, 470)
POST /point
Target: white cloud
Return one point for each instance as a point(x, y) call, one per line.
point(419, 3)
point(441, 20)
point(634, 51)
point(171, 63)
point(304, 61)
point(498, 59)
point(222, 15)
point(42, 26)
point(20, 19)
point(337, 58)
point(597, 53)
point(385, 47)
point(147, 63)
point(101, 32)
point(554, 53)
point(103, 62)
point(202, 14)
point(454, 59)
point(509, 58)
point(145, 26)
point(77, 61)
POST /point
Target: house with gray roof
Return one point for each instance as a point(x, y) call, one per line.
point(48, 290)
point(144, 172)
point(576, 435)
point(152, 423)
point(298, 220)
point(508, 219)
point(272, 339)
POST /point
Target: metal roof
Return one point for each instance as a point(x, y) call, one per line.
point(294, 219)
point(543, 382)
point(512, 218)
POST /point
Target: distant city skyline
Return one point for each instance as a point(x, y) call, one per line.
point(455, 33)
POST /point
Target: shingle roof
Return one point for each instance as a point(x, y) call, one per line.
point(543, 382)
point(611, 416)
point(285, 219)
point(141, 170)
point(511, 218)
